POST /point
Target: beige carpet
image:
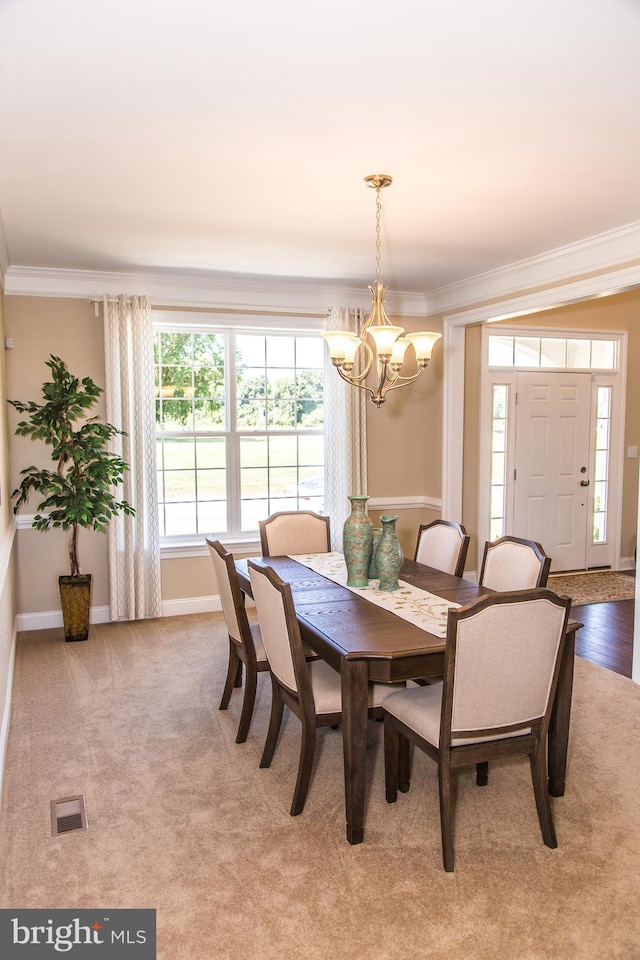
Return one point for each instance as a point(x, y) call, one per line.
point(183, 820)
point(596, 587)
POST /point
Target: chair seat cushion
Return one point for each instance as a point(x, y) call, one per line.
point(327, 688)
point(419, 708)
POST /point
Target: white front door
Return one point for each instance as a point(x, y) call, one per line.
point(552, 502)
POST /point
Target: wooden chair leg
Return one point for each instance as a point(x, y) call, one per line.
point(277, 708)
point(482, 773)
point(251, 680)
point(543, 804)
point(307, 753)
point(404, 764)
point(234, 673)
point(391, 746)
point(446, 815)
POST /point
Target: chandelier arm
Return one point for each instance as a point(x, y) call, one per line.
point(405, 381)
point(355, 383)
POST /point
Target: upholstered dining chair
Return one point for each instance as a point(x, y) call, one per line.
point(311, 689)
point(295, 531)
point(245, 640)
point(511, 563)
point(443, 544)
point(501, 671)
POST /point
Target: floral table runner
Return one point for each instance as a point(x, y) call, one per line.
point(423, 609)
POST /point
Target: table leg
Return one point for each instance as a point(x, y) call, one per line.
point(560, 716)
point(355, 688)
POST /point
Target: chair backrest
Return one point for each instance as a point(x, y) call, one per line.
point(443, 544)
point(279, 628)
point(512, 563)
point(295, 531)
point(230, 593)
point(502, 661)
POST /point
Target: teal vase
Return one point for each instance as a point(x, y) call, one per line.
point(389, 556)
point(373, 570)
point(357, 538)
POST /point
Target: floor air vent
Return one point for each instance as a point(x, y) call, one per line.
point(67, 814)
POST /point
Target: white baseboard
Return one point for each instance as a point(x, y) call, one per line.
point(626, 563)
point(48, 619)
point(179, 608)
point(6, 715)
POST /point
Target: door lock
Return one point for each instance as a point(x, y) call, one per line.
point(584, 483)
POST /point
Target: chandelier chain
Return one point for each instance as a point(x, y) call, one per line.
point(378, 215)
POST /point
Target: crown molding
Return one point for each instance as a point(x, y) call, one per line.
point(598, 253)
point(4, 255)
point(251, 292)
point(586, 288)
point(200, 289)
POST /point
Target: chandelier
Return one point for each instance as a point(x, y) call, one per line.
point(379, 339)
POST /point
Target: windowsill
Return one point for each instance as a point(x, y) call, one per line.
point(180, 549)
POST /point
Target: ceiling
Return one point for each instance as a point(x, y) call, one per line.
point(210, 136)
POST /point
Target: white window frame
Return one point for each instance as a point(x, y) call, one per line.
point(193, 545)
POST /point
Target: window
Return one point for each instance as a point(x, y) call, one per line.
point(552, 352)
point(601, 472)
point(500, 397)
point(239, 420)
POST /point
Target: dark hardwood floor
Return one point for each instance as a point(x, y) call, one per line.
point(607, 635)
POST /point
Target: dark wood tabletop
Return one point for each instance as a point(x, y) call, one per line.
point(365, 642)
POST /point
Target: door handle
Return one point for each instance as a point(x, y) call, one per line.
point(584, 483)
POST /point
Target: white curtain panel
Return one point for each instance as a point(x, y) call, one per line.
point(345, 422)
point(134, 542)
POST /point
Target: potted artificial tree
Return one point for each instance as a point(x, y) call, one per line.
point(79, 492)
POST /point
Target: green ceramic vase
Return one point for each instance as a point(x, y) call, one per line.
point(389, 556)
point(373, 570)
point(357, 538)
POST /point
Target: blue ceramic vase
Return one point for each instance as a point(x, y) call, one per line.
point(357, 540)
point(389, 556)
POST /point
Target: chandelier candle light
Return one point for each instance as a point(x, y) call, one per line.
point(389, 342)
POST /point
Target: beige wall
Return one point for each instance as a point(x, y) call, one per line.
point(403, 450)
point(7, 603)
point(619, 313)
point(68, 329)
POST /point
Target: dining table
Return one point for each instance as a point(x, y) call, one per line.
point(365, 641)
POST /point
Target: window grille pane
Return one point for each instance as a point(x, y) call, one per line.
point(527, 352)
point(497, 468)
point(499, 401)
point(553, 352)
point(579, 354)
point(602, 434)
point(497, 501)
point(212, 516)
point(179, 485)
point(496, 529)
point(599, 527)
point(179, 452)
point(500, 351)
point(281, 352)
point(604, 400)
point(498, 442)
point(600, 497)
point(212, 485)
point(602, 458)
point(180, 519)
point(283, 451)
point(603, 354)
point(211, 452)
